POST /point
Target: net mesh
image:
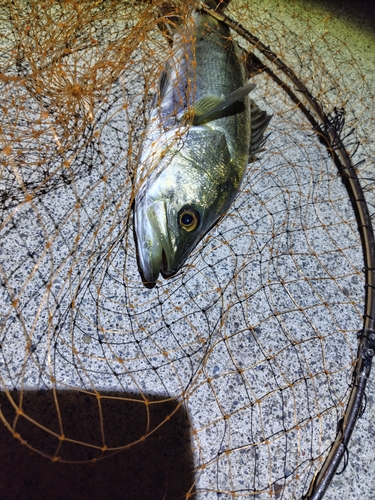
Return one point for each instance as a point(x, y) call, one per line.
point(256, 336)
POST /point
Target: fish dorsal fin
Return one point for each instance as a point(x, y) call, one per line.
point(208, 106)
point(259, 122)
point(164, 80)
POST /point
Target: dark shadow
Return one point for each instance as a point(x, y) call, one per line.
point(160, 467)
point(362, 12)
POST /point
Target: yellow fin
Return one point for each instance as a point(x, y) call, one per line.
point(206, 107)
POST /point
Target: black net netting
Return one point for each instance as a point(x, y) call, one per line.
point(235, 374)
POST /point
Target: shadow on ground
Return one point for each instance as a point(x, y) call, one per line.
point(160, 467)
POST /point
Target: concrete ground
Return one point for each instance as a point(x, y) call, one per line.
point(255, 337)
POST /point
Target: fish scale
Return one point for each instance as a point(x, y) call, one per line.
point(219, 72)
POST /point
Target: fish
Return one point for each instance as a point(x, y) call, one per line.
point(202, 131)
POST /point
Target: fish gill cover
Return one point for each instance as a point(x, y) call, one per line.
point(254, 341)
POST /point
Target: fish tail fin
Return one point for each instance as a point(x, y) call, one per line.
point(259, 122)
point(170, 16)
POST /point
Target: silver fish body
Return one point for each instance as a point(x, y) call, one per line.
point(196, 146)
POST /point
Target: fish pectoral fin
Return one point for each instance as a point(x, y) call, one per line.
point(202, 109)
point(208, 106)
point(259, 122)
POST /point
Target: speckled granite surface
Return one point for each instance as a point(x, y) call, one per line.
point(162, 468)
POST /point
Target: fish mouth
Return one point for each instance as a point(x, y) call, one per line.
point(156, 252)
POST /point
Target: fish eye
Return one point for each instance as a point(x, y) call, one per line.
point(188, 218)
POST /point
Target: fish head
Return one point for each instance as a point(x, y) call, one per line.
point(170, 216)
